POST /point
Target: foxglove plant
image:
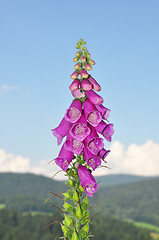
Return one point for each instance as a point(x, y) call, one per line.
point(83, 149)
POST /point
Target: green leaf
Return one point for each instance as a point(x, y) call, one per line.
point(85, 201)
point(64, 229)
point(75, 235)
point(81, 188)
point(67, 206)
point(82, 234)
point(83, 208)
point(68, 220)
point(70, 181)
point(75, 196)
point(78, 212)
point(84, 220)
point(69, 234)
point(86, 228)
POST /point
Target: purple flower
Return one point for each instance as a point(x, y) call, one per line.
point(93, 142)
point(104, 111)
point(74, 112)
point(108, 132)
point(86, 85)
point(80, 130)
point(94, 97)
point(92, 160)
point(93, 116)
point(103, 153)
point(105, 129)
point(73, 145)
point(87, 181)
point(77, 93)
point(61, 131)
point(96, 86)
point(64, 158)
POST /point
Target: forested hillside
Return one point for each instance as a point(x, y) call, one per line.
point(138, 201)
point(16, 226)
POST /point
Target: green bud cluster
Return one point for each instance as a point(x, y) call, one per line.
point(83, 56)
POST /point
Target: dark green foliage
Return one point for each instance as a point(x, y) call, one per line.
point(16, 226)
point(138, 201)
point(12, 184)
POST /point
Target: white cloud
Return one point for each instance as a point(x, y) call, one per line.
point(135, 159)
point(19, 164)
point(7, 88)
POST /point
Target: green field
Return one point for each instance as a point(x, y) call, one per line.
point(148, 226)
point(2, 205)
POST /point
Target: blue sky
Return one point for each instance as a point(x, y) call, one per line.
point(37, 45)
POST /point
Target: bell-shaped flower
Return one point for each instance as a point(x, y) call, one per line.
point(80, 129)
point(87, 181)
point(73, 145)
point(64, 158)
point(92, 160)
point(74, 85)
point(61, 131)
point(103, 153)
point(93, 116)
point(108, 132)
point(96, 86)
point(105, 129)
point(86, 85)
point(74, 112)
point(84, 73)
point(74, 75)
point(94, 97)
point(78, 94)
point(104, 111)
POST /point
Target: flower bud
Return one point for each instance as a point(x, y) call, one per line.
point(77, 66)
point(76, 59)
point(78, 53)
point(87, 66)
point(88, 54)
point(91, 61)
point(84, 73)
point(83, 59)
point(84, 48)
point(74, 75)
point(74, 85)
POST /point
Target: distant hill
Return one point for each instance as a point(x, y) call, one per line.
point(12, 184)
point(137, 200)
point(115, 179)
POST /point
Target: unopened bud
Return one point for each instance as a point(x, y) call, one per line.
point(76, 59)
point(91, 61)
point(83, 59)
point(84, 73)
point(84, 48)
point(74, 85)
point(77, 66)
point(74, 75)
point(87, 66)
